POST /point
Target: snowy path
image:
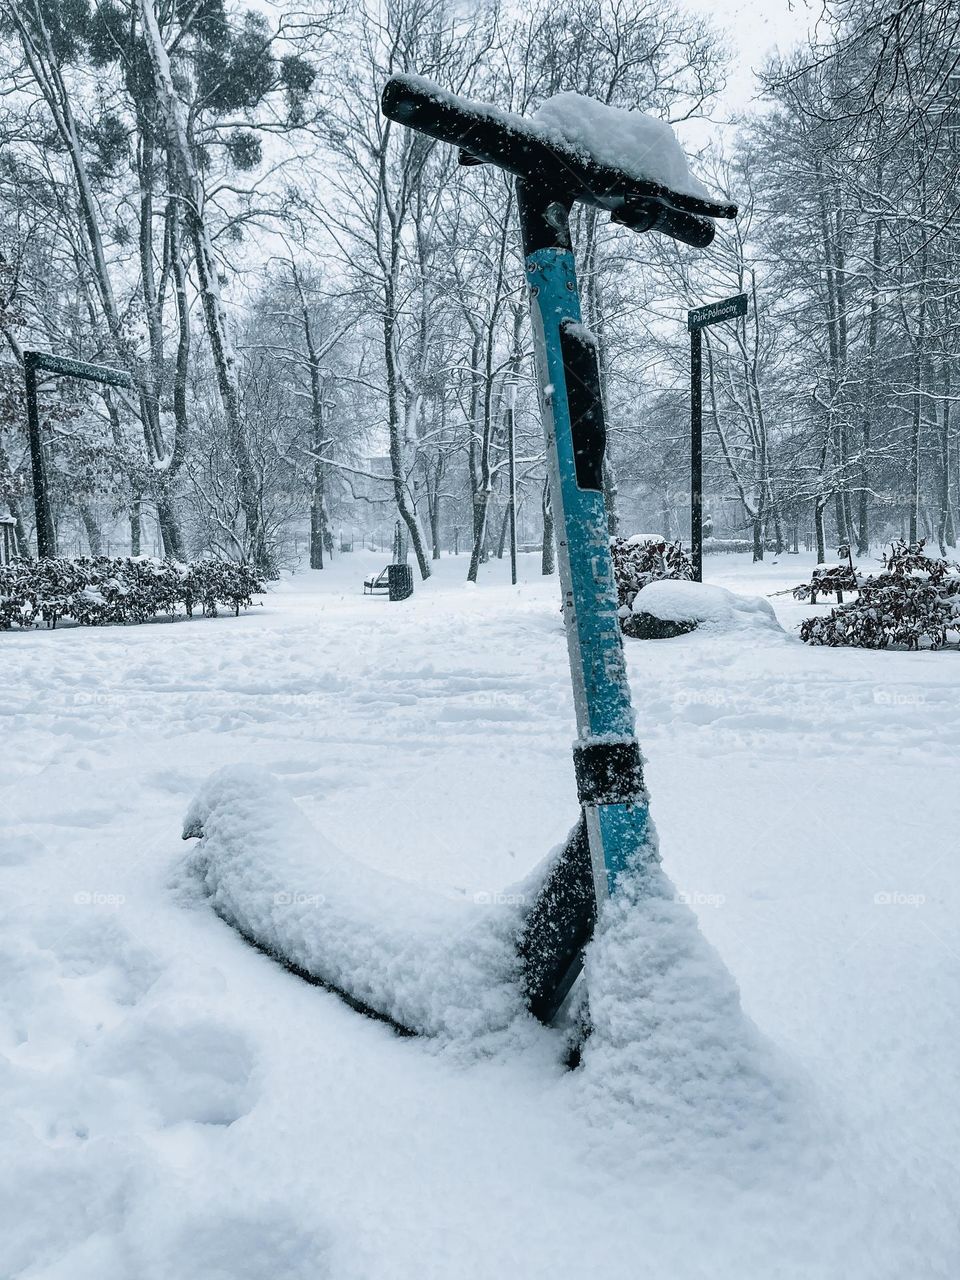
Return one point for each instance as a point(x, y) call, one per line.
point(175, 1107)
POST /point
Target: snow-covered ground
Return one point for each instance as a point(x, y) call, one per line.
point(175, 1106)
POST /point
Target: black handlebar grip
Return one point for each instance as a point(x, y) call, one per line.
point(653, 215)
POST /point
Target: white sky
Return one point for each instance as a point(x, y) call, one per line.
point(753, 29)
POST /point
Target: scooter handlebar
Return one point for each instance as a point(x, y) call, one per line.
point(490, 136)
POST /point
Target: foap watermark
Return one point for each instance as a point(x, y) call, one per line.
point(94, 698)
point(484, 898)
point(898, 698)
point(98, 898)
point(898, 899)
point(297, 899)
point(698, 899)
point(700, 697)
point(495, 698)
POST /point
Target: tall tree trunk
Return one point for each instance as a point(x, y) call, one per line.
point(547, 555)
point(869, 395)
point(190, 188)
point(944, 531)
point(610, 493)
point(317, 517)
point(169, 524)
point(13, 504)
point(435, 525)
point(170, 527)
point(502, 536)
point(398, 468)
point(136, 527)
point(818, 509)
point(915, 421)
point(91, 527)
point(863, 503)
point(478, 553)
point(484, 493)
point(919, 366)
point(831, 230)
point(182, 365)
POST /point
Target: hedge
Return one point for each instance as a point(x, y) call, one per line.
point(97, 590)
point(914, 603)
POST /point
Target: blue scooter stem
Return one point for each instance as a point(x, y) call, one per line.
point(607, 756)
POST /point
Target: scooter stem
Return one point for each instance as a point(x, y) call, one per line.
point(606, 755)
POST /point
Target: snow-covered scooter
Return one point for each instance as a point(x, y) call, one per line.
point(553, 172)
point(422, 962)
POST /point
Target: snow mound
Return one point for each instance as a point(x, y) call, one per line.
point(675, 600)
point(644, 147)
point(440, 966)
point(670, 1039)
point(641, 539)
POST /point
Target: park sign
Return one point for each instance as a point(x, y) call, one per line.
point(713, 312)
point(35, 362)
point(69, 368)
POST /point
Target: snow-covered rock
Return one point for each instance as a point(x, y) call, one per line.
point(673, 600)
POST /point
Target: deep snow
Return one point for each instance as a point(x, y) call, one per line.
point(175, 1105)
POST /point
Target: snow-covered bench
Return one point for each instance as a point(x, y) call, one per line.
point(375, 582)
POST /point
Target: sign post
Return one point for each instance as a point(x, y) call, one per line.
point(511, 393)
point(34, 362)
point(697, 320)
point(696, 454)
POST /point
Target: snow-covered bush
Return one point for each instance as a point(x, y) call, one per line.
point(915, 602)
point(212, 582)
point(830, 580)
point(731, 546)
point(641, 559)
point(94, 591)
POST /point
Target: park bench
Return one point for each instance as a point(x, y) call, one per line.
point(375, 582)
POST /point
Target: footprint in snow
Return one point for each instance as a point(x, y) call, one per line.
point(184, 1066)
point(229, 1244)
